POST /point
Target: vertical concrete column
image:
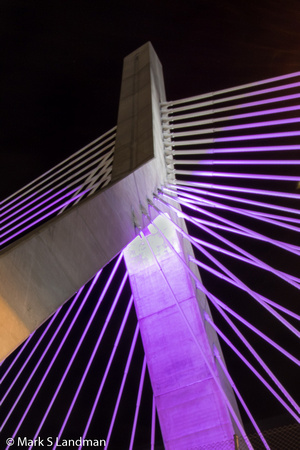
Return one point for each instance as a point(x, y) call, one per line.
point(190, 406)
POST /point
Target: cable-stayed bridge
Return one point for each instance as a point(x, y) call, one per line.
point(206, 183)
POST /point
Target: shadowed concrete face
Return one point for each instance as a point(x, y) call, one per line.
point(46, 267)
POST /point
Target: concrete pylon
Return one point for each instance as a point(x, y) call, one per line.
point(178, 345)
point(44, 269)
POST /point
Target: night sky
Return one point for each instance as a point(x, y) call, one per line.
point(61, 67)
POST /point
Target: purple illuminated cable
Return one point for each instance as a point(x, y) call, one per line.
point(236, 138)
point(42, 187)
point(126, 370)
point(289, 247)
point(54, 358)
point(253, 352)
point(255, 176)
point(213, 100)
point(103, 293)
point(27, 204)
point(167, 117)
point(253, 261)
point(239, 228)
point(233, 228)
point(237, 189)
point(215, 300)
point(35, 183)
point(268, 123)
point(232, 384)
point(238, 162)
point(39, 362)
point(194, 123)
point(204, 290)
point(30, 355)
point(265, 217)
point(259, 298)
point(21, 202)
point(120, 332)
point(39, 212)
point(16, 358)
point(138, 403)
point(215, 151)
point(153, 424)
point(229, 343)
point(189, 190)
point(274, 219)
point(33, 209)
point(193, 241)
point(198, 344)
point(254, 329)
point(236, 281)
point(45, 216)
point(87, 368)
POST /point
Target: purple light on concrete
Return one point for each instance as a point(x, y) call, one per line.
point(216, 301)
point(120, 332)
point(126, 370)
point(58, 208)
point(261, 299)
point(87, 368)
point(252, 176)
point(224, 368)
point(81, 337)
point(268, 386)
point(237, 189)
point(199, 344)
point(138, 403)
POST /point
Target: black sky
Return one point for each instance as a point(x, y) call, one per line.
point(61, 64)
